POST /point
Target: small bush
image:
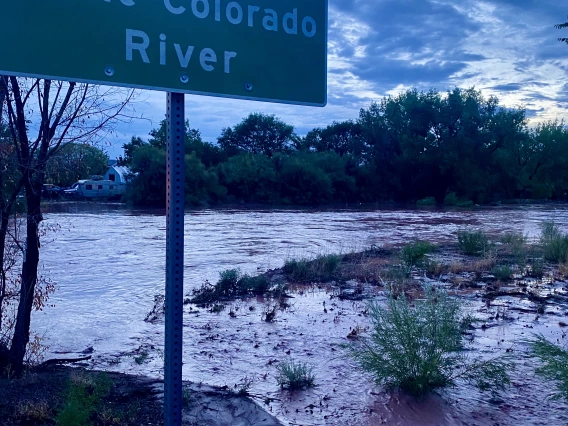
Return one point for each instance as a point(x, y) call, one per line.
point(295, 375)
point(473, 243)
point(502, 272)
point(452, 199)
point(419, 347)
point(32, 412)
point(231, 284)
point(322, 268)
point(413, 254)
point(516, 246)
point(554, 243)
point(554, 364)
point(428, 201)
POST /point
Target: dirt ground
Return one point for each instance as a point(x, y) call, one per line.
point(39, 396)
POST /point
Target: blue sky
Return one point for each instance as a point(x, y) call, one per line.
point(506, 48)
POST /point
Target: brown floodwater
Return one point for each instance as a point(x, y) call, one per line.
point(108, 263)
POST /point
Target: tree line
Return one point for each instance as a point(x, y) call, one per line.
point(455, 147)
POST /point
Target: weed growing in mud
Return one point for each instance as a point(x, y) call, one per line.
point(502, 272)
point(413, 254)
point(554, 243)
point(473, 243)
point(83, 397)
point(515, 245)
point(321, 269)
point(418, 346)
point(295, 375)
point(232, 283)
point(554, 364)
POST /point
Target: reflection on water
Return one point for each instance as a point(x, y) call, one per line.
point(109, 261)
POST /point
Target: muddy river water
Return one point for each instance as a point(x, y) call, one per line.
point(108, 263)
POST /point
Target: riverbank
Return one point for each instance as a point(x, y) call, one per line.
point(75, 396)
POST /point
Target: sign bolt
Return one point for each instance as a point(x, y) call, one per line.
point(109, 71)
point(184, 79)
point(248, 86)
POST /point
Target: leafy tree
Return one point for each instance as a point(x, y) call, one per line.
point(342, 137)
point(559, 27)
point(75, 161)
point(258, 134)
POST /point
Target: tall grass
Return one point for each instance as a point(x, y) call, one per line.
point(419, 347)
point(413, 254)
point(554, 243)
point(295, 375)
point(474, 243)
point(322, 268)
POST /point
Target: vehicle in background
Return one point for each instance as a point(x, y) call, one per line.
point(96, 189)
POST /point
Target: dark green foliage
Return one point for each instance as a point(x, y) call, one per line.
point(295, 375)
point(419, 347)
point(473, 243)
point(458, 147)
point(413, 254)
point(83, 398)
point(232, 283)
point(554, 243)
point(560, 27)
point(257, 134)
point(502, 272)
point(428, 201)
point(554, 364)
point(320, 269)
point(75, 161)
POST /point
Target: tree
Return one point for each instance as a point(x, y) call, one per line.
point(559, 27)
point(257, 134)
point(43, 117)
point(75, 161)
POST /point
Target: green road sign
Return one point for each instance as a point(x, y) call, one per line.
point(269, 50)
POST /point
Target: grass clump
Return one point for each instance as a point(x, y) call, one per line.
point(554, 364)
point(295, 375)
point(232, 283)
point(473, 243)
point(83, 399)
point(413, 254)
point(322, 268)
point(554, 243)
point(502, 272)
point(419, 347)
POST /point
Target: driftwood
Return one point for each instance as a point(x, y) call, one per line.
point(59, 361)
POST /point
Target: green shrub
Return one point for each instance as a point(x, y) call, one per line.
point(516, 245)
point(413, 254)
point(256, 284)
point(502, 272)
point(83, 397)
point(295, 375)
point(227, 284)
point(554, 364)
point(451, 199)
point(419, 347)
point(428, 201)
point(554, 243)
point(473, 243)
point(322, 268)
point(231, 284)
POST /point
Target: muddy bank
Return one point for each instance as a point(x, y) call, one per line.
point(41, 396)
point(231, 340)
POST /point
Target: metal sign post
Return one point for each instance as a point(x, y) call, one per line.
point(174, 258)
